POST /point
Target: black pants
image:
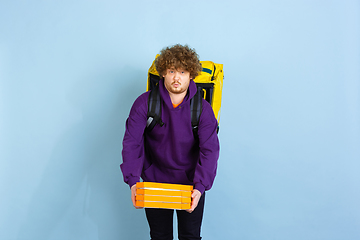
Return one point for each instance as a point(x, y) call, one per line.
point(189, 224)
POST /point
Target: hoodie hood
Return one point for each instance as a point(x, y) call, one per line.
point(166, 97)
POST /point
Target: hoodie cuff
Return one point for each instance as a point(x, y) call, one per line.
point(133, 181)
point(200, 187)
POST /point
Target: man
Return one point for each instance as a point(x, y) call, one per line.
point(171, 153)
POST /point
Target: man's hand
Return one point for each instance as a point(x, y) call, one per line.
point(133, 194)
point(195, 197)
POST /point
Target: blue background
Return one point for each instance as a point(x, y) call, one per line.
point(290, 120)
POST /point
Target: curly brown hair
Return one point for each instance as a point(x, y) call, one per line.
point(179, 57)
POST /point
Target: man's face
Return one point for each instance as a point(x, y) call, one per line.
point(176, 81)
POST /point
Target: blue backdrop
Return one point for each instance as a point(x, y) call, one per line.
point(290, 121)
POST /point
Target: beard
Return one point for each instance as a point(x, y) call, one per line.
point(176, 88)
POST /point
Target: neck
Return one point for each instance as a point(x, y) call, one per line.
point(177, 98)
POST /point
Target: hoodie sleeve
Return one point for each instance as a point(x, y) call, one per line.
point(205, 170)
point(133, 143)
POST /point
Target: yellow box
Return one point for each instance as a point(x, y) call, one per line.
point(182, 206)
point(169, 199)
point(163, 195)
point(163, 192)
point(164, 186)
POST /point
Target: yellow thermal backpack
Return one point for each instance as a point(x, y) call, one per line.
point(209, 86)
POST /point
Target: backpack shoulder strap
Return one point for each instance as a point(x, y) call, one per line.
point(196, 108)
point(154, 109)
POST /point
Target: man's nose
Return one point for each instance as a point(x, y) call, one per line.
point(176, 75)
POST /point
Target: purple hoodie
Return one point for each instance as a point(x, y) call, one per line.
point(170, 154)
